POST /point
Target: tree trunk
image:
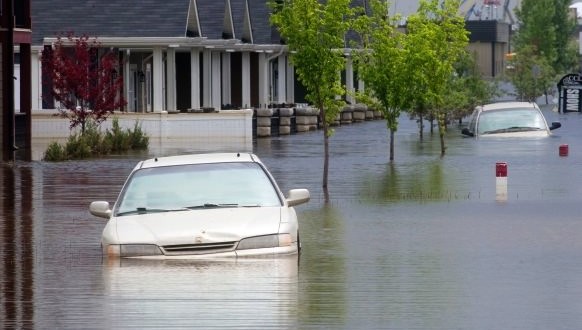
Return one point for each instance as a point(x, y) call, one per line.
point(442, 129)
point(431, 125)
point(325, 156)
point(391, 145)
point(421, 125)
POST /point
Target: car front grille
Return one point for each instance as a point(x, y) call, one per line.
point(201, 248)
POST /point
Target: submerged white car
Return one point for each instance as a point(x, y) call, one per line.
point(191, 206)
point(509, 119)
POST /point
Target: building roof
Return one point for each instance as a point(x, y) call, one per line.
point(148, 18)
point(248, 21)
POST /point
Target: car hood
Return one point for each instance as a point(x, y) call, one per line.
point(525, 134)
point(198, 226)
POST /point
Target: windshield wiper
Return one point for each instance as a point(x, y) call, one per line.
point(513, 129)
point(145, 210)
point(210, 206)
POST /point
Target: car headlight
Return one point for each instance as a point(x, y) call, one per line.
point(133, 250)
point(267, 241)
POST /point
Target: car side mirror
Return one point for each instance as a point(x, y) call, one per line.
point(298, 196)
point(555, 125)
point(100, 209)
point(465, 131)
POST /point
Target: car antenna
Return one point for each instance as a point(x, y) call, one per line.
point(238, 154)
point(156, 159)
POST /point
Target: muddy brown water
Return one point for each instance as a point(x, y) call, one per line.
point(422, 243)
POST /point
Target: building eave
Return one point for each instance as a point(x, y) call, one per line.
point(177, 43)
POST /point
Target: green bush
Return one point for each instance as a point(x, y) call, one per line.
point(77, 148)
point(54, 153)
point(94, 139)
point(139, 140)
point(92, 142)
point(118, 138)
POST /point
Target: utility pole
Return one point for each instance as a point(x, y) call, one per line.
point(7, 80)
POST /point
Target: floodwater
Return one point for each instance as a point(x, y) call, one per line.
point(422, 243)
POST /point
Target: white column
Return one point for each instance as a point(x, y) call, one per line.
point(195, 78)
point(216, 81)
point(281, 79)
point(171, 79)
point(246, 79)
point(226, 79)
point(207, 78)
point(361, 86)
point(350, 81)
point(290, 83)
point(263, 81)
point(158, 79)
point(36, 81)
point(126, 80)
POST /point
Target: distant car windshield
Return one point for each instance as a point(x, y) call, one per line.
point(185, 187)
point(514, 120)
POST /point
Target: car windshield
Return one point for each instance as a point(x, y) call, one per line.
point(514, 120)
point(187, 187)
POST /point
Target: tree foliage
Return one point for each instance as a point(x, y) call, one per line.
point(532, 75)
point(381, 64)
point(470, 85)
point(84, 81)
point(315, 32)
point(548, 31)
point(436, 41)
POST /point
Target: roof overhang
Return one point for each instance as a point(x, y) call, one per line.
point(230, 45)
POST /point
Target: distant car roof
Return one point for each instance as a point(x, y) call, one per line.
point(508, 105)
point(198, 159)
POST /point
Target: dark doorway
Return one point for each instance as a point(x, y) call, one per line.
point(183, 81)
point(236, 79)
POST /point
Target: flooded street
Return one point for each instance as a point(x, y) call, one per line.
point(422, 243)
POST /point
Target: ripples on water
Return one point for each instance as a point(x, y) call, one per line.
point(418, 244)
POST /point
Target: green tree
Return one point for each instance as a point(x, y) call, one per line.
point(381, 64)
point(531, 74)
point(436, 41)
point(315, 33)
point(474, 89)
point(548, 28)
point(567, 44)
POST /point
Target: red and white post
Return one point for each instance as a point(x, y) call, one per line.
point(501, 181)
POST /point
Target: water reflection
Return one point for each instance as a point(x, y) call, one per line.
point(323, 293)
point(422, 182)
point(242, 294)
point(16, 254)
point(417, 244)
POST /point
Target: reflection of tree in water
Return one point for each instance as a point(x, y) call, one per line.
point(322, 268)
point(415, 182)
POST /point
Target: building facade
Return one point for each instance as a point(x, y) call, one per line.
point(177, 55)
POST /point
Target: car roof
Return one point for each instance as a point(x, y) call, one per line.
point(204, 158)
point(508, 105)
